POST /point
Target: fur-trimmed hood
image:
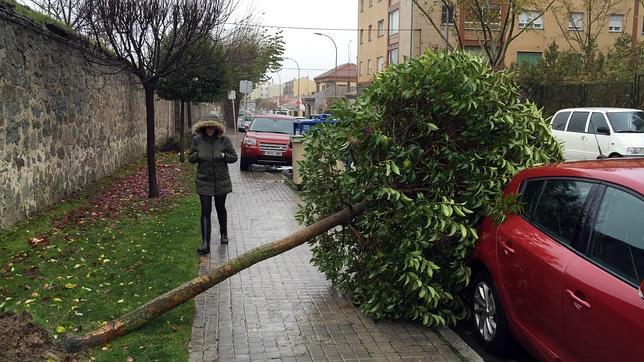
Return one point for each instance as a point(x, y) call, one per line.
point(200, 126)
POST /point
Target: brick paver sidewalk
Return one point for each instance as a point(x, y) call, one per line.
point(284, 308)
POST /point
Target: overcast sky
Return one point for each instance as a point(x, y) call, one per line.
point(314, 53)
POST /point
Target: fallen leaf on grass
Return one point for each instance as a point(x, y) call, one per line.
point(34, 242)
point(70, 286)
point(60, 329)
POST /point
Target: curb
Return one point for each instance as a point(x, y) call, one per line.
point(459, 345)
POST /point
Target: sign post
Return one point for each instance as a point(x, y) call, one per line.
point(232, 96)
point(245, 88)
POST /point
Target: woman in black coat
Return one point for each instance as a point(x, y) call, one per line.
point(212, 152)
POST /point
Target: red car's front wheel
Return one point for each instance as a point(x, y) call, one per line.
point(490, 323)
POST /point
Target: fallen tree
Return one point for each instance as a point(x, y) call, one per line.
point(429, 146)
point(444, 123)
point(162, 304)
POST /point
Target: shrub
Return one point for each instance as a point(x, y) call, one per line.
point(431, 144)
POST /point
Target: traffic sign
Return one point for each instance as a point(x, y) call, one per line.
point(231, 95)
point(245, 86)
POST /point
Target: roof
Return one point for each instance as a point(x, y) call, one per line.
point(273, 116)
point(345, 71)
point(600, 109)
point(628, 172)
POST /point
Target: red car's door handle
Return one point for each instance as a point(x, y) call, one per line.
point(578, 301)
point(507, 247)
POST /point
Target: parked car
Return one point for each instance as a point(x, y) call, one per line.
point(565, 276)
point(243, 122)
point(588, 133)
point(267, 141)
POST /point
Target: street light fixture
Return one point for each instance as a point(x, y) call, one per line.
point(298, 76)
point(335, 83)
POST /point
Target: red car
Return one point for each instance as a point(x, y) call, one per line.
point(565, 276)
point(267, 142)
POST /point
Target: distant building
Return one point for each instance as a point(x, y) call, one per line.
point(393, 29)
point(331, 85)
point(304, 86)
point(266, 91)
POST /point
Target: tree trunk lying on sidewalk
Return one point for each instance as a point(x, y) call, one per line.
point(162, 304)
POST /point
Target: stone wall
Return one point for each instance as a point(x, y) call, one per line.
point(64, 123)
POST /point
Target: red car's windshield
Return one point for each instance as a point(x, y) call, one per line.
point(272, 125)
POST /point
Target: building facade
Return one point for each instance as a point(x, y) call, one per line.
point(266, 91)
point(390, 30)
point(302, 87)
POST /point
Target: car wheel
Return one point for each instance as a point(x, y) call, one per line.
point(615, 155)
point(244, 165)
point(490, 323)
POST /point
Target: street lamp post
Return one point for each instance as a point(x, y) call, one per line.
point(335, 82)
point(298, 75)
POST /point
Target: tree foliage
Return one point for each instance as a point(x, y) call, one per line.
point(253, 53)
point(431, 144)
point(621, 63)
point(204, 83)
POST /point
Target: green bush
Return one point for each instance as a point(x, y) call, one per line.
point(431, 144)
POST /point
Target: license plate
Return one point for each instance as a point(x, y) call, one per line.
point(272, 153)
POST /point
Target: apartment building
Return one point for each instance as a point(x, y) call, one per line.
point(302, 87)
point(390, 30)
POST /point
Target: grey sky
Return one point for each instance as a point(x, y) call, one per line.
point(309, 50)
point(312, 52)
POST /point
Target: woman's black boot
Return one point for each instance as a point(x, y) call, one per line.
point(206, 229)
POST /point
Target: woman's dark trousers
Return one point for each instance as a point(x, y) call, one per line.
point(206, 223)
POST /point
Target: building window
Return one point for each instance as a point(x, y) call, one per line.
point(393, 56)
point(360, 68)
point(530, 58)
point(616, 23)
point(576, 21)
point(369, 33)
point(361, 5)
point(361, 36)
point(369, 67)
point(381, 63)
point(531, 19)
point(393, 22)
point(447, 15)
point(370, 3)
point(381, 27)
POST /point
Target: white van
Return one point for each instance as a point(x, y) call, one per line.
point(587, 133)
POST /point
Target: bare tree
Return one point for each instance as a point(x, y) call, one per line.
point(581, 25)
point(492, 22)
point(255, 53)
point(151, 39)
point(68, 12)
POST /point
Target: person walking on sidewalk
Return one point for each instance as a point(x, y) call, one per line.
point(212, 152)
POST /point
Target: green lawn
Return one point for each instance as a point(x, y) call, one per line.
point(86, 274)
